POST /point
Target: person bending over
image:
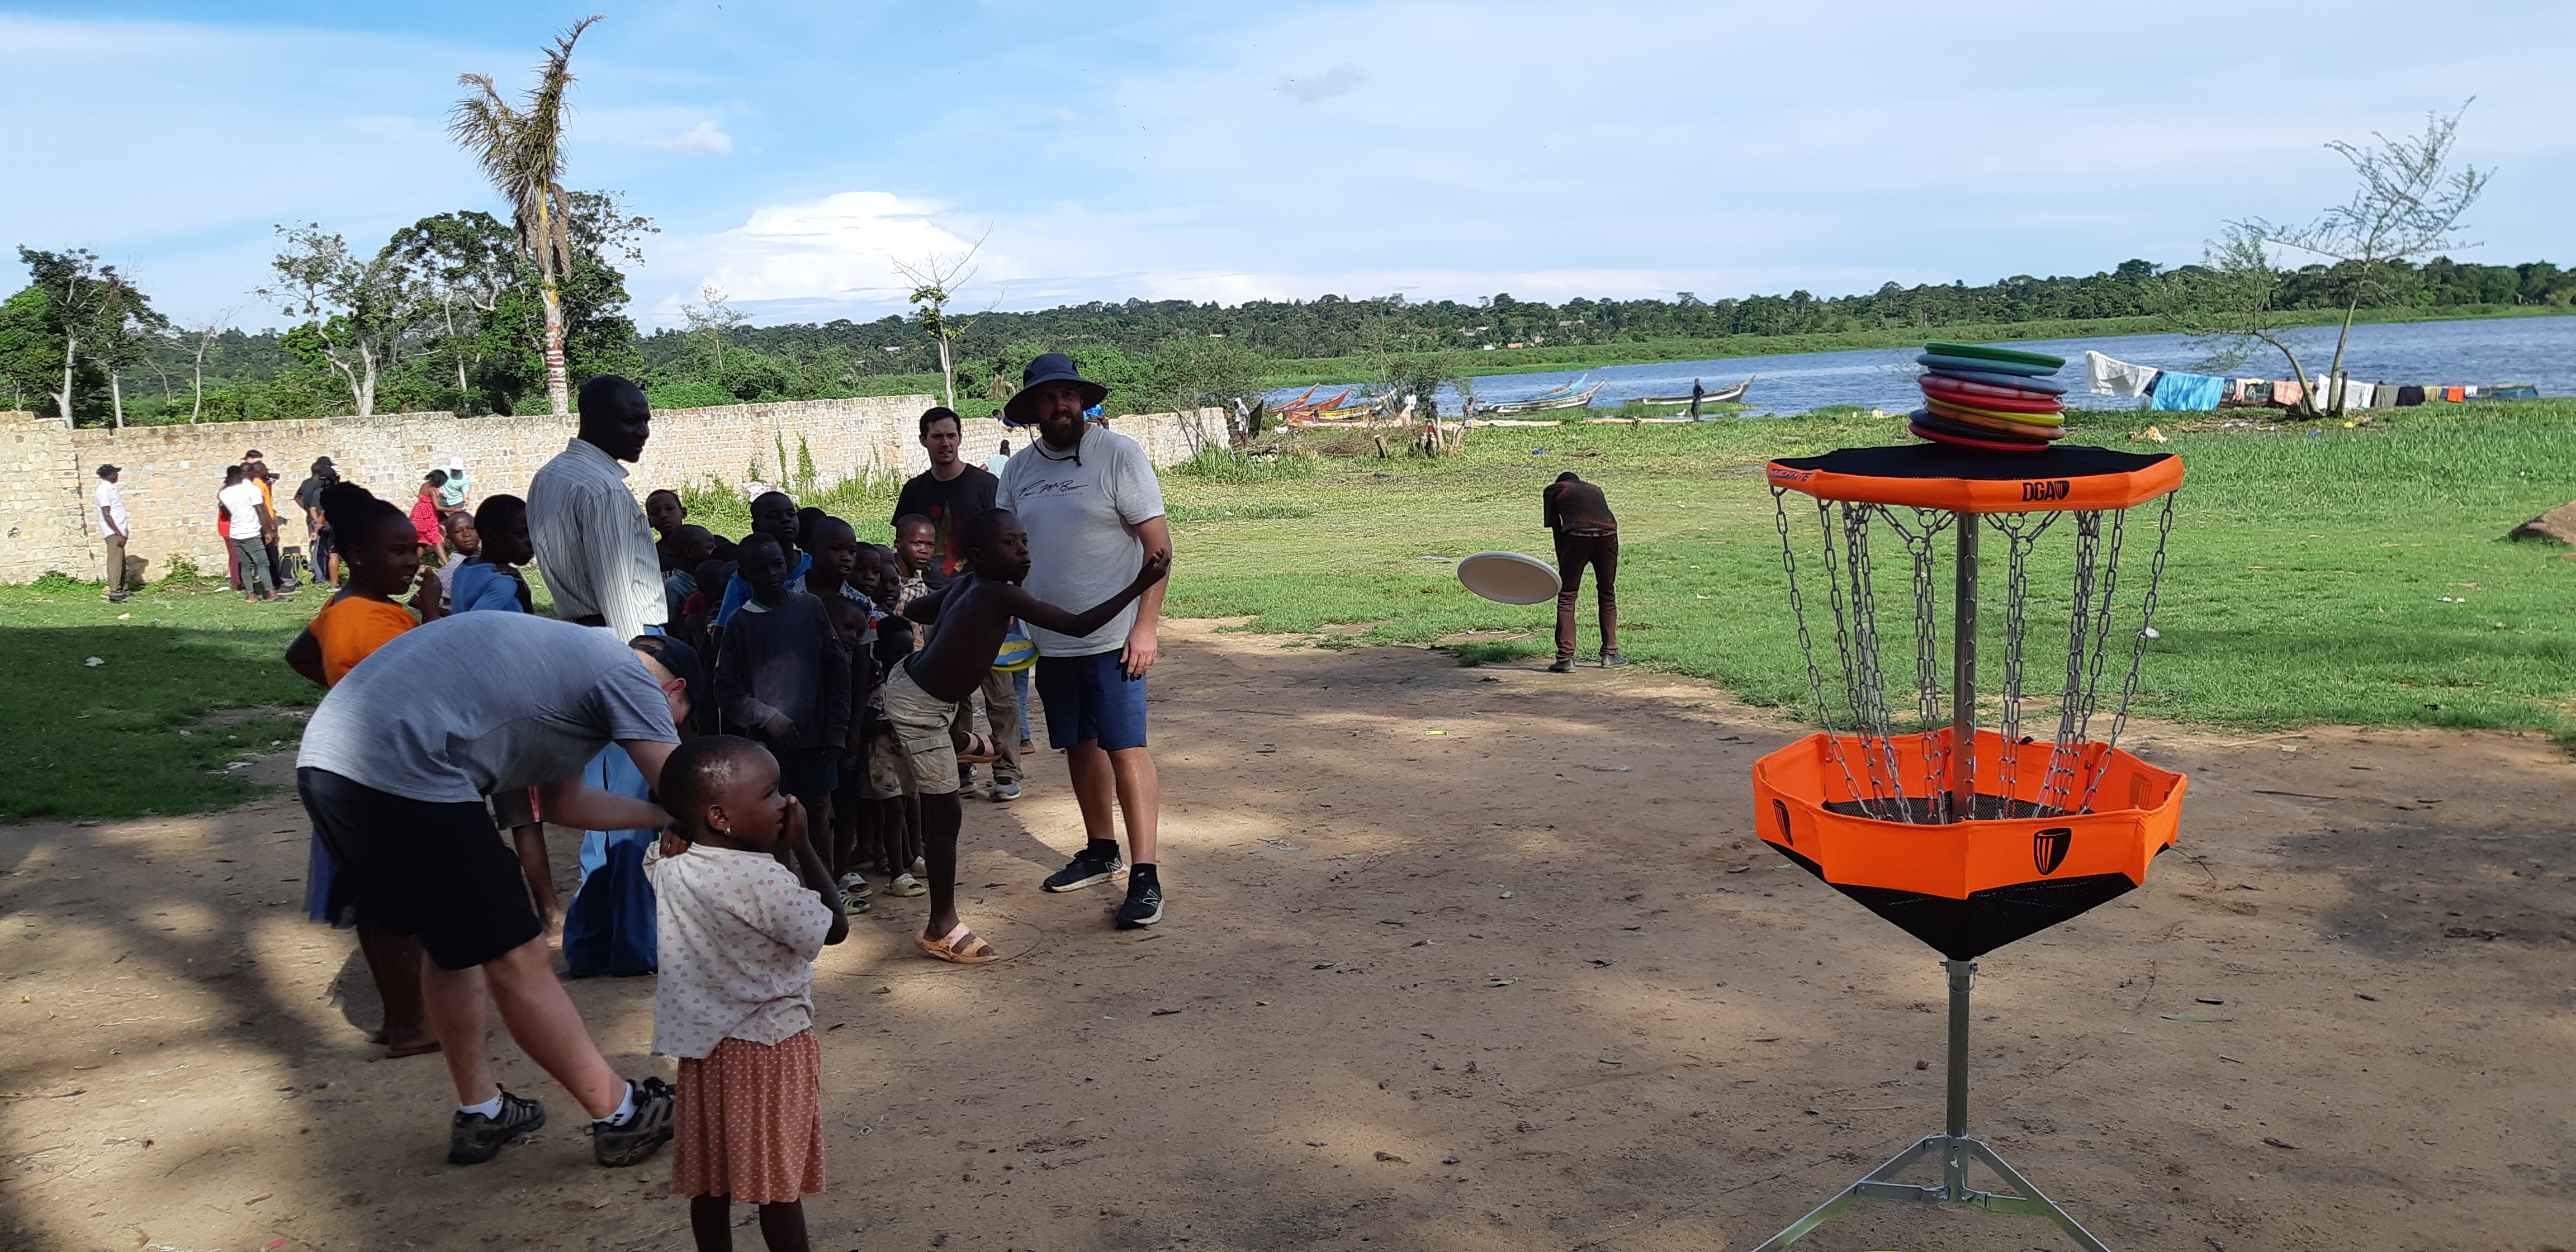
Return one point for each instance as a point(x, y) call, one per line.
point(383, 564)
point(744, 905)
point(972, 613)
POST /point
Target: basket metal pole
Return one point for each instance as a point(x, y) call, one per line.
point(1963, 675)
point(1954, 1151)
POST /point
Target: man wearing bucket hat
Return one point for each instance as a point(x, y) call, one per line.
point(1092, 508)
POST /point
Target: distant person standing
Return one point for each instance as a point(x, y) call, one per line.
point(113, 529)
point(245, 511)
point(278, 568)
point(1094, 514)
point(459, 485)
point(1697, 393)
point(947, 493)
point(596, 551)
point(1000, 459)
point(1586, 534)
point(308, 497)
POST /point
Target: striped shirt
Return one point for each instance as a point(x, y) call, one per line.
point(593, 544)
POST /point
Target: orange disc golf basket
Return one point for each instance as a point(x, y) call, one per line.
point(1967, 838)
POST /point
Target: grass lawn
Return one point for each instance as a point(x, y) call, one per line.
point(2306, 583)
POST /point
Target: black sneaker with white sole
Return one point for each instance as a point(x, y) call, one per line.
point(473, 1138)
point(656, 1108)
point(1088, 866)
point(1144, 905)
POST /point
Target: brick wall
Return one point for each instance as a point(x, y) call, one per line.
point(171, 473)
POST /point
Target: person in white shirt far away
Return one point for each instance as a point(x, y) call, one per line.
point(114, 527)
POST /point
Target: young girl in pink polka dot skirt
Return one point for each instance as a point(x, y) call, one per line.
point(744, 904)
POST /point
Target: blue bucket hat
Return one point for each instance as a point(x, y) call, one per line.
point(1050, 367)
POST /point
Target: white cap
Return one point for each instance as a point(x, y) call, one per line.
point(456, 462)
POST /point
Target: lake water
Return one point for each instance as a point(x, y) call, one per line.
point(2537, 350)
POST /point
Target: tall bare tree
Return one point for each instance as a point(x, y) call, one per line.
point(2405, 208)
point(716, 321)
point(935, 280)
point(521, 151)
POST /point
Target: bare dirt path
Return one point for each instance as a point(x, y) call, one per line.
point(1455, 959)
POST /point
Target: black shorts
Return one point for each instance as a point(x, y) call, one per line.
point(436, 871)
point(322, 550)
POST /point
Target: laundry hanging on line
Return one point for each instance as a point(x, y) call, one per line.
point(2178, 391)
point(2106, 377)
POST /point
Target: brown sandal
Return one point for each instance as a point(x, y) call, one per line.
point(978, 749)
point(960, 947)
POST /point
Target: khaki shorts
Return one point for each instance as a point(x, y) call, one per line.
point(921, 724)
point(882, 775)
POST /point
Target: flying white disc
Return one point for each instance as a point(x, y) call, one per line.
point(1510, 578)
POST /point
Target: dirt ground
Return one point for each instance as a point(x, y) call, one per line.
point(1455, 959)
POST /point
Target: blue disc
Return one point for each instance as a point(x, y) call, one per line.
point(2027, 386)
point(1971, 366)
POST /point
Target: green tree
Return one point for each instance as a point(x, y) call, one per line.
point(1190, 373)
point(85, 306)
point(935, 280)
point(521, 151)
point(30, 355)
point(360, 315)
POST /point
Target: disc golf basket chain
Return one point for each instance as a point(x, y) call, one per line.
point(1966, 838)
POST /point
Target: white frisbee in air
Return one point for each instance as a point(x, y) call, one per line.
point(1510, 578)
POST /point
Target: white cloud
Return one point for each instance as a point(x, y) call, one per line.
point(1341, 80)
point(701, 140)
point(834, 256)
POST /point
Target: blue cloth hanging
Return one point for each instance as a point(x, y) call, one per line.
point(609, 928)
point(2176, 390)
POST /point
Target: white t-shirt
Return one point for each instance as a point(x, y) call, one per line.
point(244, 499)
point(1076, 507)
point(112, 500)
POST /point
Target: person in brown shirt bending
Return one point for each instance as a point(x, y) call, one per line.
point(1586, 534)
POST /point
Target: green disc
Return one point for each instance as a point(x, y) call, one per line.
point(1983, 353)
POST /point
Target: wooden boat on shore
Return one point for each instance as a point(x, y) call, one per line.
point(1723, 395)
point(1541, 405)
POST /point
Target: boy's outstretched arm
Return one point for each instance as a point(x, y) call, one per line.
point(1046, 616)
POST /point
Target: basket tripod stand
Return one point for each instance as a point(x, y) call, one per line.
point(1954, 1148)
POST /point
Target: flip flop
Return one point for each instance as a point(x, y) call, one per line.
point(418, 1049)
point(853, 903)
point(960, 947)
point(979, 749)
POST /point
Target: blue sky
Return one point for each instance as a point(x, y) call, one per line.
point(1224, 152)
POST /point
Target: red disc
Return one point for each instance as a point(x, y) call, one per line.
point(1978, 395)
point(1989, 445)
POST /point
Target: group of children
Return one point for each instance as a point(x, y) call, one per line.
point(804, 622)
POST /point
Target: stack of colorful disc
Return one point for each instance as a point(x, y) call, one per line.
point(1991, 398)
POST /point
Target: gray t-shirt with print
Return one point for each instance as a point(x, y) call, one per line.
point(477, 703)
point(1077, 507)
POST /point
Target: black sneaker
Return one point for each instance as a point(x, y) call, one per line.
point(1144, 905)
point(643, 1134)
point(1561, 667)
point(1086, 867)
point(1612, 660)
point(473, 1138)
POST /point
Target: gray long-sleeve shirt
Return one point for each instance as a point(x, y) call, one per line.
point(782, 677)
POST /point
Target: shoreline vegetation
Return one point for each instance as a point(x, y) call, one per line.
point(1542, 360)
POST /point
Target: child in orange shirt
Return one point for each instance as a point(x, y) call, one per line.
point(383, 554)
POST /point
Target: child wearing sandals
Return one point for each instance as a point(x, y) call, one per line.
point(973, 613)
point(383, 554)
point(743, 904)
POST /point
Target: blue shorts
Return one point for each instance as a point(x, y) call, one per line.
point(1089, 697)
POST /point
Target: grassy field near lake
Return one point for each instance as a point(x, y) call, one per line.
point(2307, 580)
point(2349, 576)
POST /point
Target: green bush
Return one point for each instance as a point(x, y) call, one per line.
point(693, 394)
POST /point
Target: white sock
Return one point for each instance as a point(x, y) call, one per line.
point(488, 1108)
point(625, 1108)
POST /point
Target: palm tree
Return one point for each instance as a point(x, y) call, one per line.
point(521, 151)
